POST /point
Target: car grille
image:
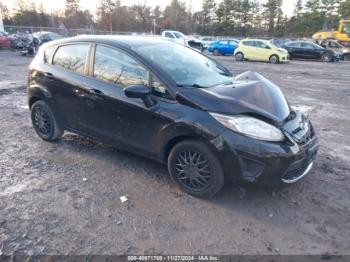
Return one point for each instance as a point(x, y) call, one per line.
point(296, 170)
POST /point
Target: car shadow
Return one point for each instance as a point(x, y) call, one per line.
point(127, 160)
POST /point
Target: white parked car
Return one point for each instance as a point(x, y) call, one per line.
point(208, 40)
point(180, 38)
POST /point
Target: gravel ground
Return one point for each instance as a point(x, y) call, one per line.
point(63, 198)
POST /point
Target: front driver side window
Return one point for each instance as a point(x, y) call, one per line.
point(158, 88)
point(118, 68)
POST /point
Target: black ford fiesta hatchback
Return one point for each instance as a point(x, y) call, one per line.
point(171, 104)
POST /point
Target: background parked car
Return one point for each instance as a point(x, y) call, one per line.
point(180, 38)
point(337, 47)
point(260, 50)
point(309, 50)
point(44, 36)
point(207, 41)
point(279, 42)
point(5, 41)
point(223, 47)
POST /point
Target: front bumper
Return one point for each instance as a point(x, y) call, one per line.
point(284, 58)
point(265, 163)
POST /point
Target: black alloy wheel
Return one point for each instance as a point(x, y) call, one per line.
point(195, 168)
point(44, 122)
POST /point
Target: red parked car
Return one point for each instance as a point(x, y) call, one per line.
point(5, 41)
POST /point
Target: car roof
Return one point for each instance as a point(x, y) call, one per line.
point(126, 41)
point(42, 32)
point(172, 31)
point(261, 40)
point(302, 41)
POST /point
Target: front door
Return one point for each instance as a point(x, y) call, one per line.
point(310, 51)
point(114, 116)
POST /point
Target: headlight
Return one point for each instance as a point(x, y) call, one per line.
point(250, 127)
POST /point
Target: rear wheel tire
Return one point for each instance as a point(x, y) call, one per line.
point(274, 59)
point(216, 52)
point(239, 57)
point(327, 58)
point(195, 169)
point(44, 122)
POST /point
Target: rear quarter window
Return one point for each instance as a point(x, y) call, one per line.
point(48, 53)
point(72, 57)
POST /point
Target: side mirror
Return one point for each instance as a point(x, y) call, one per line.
point(140, 91)
point(267, 47)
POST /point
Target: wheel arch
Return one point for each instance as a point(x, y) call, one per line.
point(239, 52)
point(169, 145)
point(174, 141)
point(33, 99)
point(278, 57)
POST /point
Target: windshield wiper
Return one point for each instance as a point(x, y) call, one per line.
point(192, 86)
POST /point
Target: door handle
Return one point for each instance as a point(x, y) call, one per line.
point(96, 93)
point(49, 76)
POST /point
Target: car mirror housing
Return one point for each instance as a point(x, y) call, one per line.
point(140, 91)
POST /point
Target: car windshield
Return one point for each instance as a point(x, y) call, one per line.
point(187, 67)
point(346, 28)
point(179, 35)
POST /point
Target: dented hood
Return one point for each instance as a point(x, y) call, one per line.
point(250, 93)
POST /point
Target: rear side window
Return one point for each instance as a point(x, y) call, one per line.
point(295, 44)
point(116, 67)
point(72, 57)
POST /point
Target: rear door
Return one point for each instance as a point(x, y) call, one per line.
point(67, 79)
point(223, 47)
point(231, 47)
point(295, 50)
point(249, 50)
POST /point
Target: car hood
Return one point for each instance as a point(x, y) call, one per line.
point(250, 93)
point(283, 50)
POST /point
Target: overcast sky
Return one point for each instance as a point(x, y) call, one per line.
point(288, 5)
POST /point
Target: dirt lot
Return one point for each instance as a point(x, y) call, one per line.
point(48, 207)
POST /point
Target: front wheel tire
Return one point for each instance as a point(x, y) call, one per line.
point(327, 58)
point(44, 122)
point(195, 169)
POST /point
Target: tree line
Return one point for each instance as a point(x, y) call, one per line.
point(227, 17)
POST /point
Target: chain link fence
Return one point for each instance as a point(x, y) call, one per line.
point(65, 32)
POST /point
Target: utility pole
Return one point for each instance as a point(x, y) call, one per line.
point(1, 24)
